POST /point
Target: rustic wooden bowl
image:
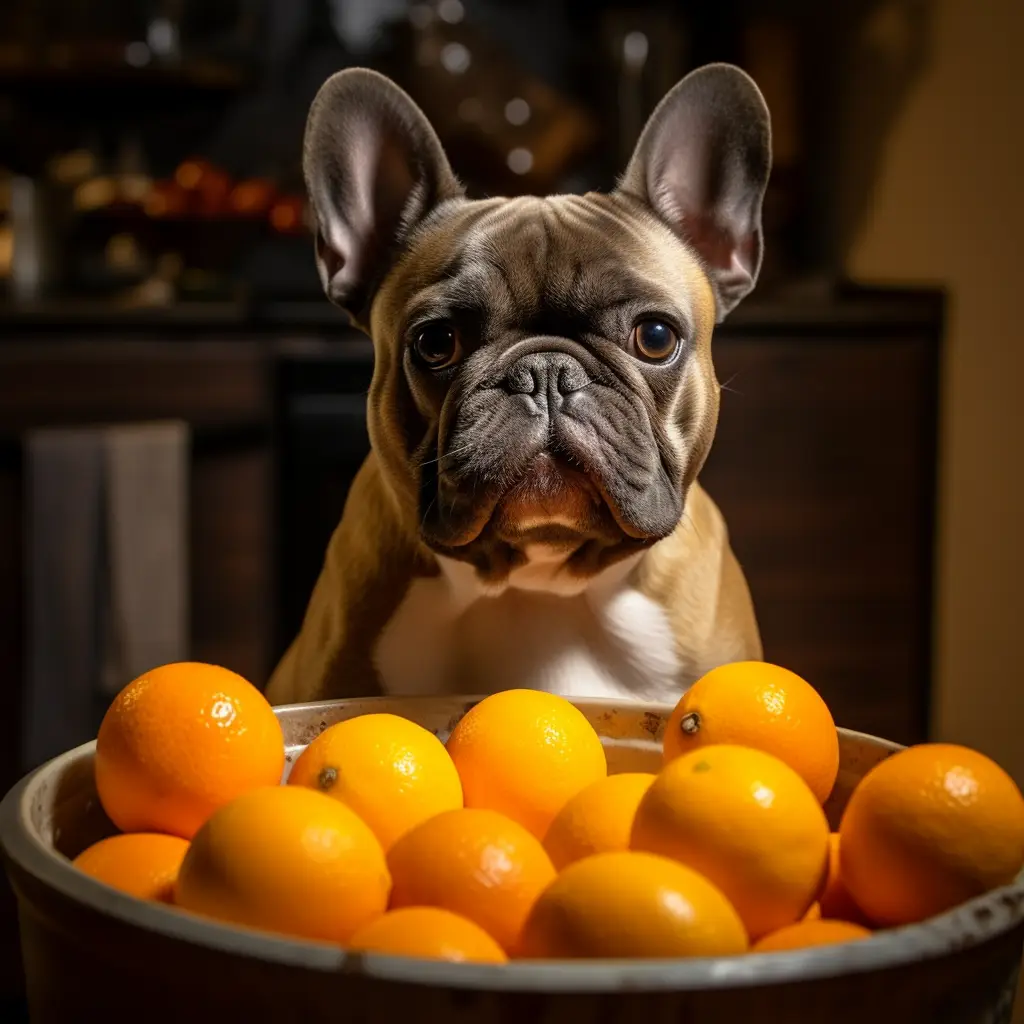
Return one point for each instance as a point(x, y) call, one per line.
point(92, 953)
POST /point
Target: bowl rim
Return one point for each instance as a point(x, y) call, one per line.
point(979, 920)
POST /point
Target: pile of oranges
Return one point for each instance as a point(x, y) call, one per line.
point(511, 840)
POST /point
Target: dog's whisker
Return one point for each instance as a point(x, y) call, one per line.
point(426, 512)
point(726, 387)
point(447, 455)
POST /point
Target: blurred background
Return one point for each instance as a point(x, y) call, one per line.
point(181, 411)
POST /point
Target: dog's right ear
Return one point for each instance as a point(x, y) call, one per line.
point(374, 168)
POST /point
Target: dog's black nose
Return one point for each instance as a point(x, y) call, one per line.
point(546, 374)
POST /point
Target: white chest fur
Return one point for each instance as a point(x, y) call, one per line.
point(450, 636)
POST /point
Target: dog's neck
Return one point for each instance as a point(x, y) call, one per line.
point(543, 573)
point(456, 633)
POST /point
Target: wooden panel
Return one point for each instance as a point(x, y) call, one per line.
point(823, 466)
point(231, 566)
point(207, 383)
point(12, 622)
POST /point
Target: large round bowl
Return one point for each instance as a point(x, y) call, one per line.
point(93, 954)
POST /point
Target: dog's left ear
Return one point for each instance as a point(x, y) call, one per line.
point(374, 168)
point(702, 164)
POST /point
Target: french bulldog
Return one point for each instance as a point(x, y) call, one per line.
point(543, 400)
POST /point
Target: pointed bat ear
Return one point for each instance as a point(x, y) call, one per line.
point(702, 164)
point(374, 169)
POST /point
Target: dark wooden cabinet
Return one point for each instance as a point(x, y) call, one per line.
point(824, 466)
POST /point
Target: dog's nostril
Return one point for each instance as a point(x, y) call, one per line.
point(521, 380)
point(571, 377)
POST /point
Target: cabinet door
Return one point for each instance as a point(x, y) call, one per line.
point(823, 466)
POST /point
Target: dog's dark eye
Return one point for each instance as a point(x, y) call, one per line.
point(654, 340)
point(437, 344)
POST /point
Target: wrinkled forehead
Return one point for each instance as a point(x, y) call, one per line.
point(511, 259)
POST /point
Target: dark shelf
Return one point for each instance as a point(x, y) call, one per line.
point(849, 309)
point(36, 77)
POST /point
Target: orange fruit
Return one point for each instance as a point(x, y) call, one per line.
point(835, 902)
point(286, 859)
point(623, 905)
point(392, 772)
point(142, 864)
point(181, 741)
point(597, 820)
point(822, 932)
point(525, 753)
point(474, 862)
point(760, 705)
point(927, 829)
point(746, 821)
point(429, 932)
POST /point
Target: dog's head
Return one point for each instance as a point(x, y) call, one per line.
point(544, 393)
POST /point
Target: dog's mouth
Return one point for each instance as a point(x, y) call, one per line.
point(552, 503)
point(554, 510)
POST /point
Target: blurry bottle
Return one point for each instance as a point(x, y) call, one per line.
point(648, 50)
point(37, 222)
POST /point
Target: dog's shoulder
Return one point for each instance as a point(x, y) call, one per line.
point(694, 574)
point(370, 563)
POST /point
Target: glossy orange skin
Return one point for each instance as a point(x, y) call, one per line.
point(597, 820)
point(927, 829)
point(392, 772)
point(141, 864)
point(804, 934)
point(474, 862)
point(525, 753)
point(181, 741)
point(747, 822)
point(290, 860)
point(624, 905)
point(761, 705)
point(430, 933)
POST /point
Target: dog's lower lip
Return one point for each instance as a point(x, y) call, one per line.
point(550, 481)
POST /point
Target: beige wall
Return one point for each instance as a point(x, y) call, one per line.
point(949, 207)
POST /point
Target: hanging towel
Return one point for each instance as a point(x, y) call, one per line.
point(147, 540)
point(107, 572)
point(64, 567)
